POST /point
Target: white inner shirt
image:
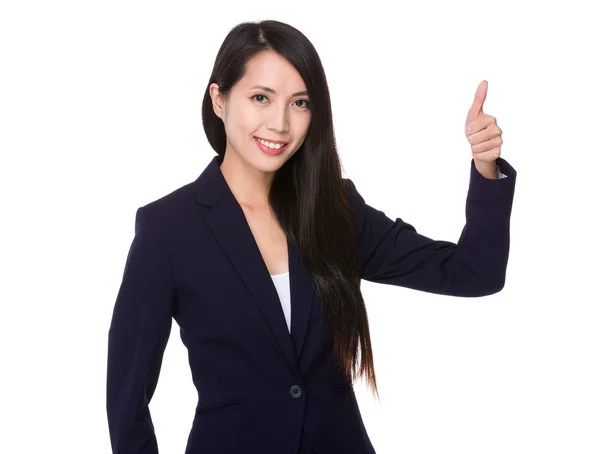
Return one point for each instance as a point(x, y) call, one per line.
point(282, 285)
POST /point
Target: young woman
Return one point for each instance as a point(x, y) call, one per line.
point(260, 259)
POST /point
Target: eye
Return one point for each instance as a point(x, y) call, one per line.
point(305, 101)
point(307, 104)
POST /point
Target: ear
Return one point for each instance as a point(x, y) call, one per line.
point(217, 100)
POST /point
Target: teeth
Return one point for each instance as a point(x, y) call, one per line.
point(276, 146)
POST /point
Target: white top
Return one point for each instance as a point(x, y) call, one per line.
point(282, 285)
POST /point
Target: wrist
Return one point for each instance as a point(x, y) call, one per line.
point(487, 169)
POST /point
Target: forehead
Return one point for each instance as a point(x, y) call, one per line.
point(270, 69)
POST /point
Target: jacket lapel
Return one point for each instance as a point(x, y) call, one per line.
point(302, 295)
point(225, 218)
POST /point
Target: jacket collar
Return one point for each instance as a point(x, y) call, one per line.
point(226, 219)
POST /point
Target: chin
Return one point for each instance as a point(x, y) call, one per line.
point(271, 162)
point(271, 165)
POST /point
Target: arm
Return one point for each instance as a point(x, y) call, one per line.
point(392, 252)
point(139, 331)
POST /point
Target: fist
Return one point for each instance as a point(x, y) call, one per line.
point(483, 132)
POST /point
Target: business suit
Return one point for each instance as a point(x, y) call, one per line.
point(194, 259)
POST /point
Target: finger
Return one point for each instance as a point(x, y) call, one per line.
point(488, 156)
point(485, 123)
point(477, 106)
point(487, 145)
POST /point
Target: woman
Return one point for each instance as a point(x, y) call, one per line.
point(260, 259)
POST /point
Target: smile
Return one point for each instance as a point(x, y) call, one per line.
point(271, 143)
point(270, 147)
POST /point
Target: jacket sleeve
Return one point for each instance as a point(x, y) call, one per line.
point(392, 252)
point(138, 334)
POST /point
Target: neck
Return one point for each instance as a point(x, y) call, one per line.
point(249, 185)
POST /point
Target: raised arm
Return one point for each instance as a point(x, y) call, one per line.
point(138, 335)
point(392, 252)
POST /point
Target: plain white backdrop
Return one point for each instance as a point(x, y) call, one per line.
point(100, 114)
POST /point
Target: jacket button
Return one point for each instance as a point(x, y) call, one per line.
point(296, 391)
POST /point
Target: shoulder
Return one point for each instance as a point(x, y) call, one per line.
point(355, 199)
point(356, 205)
point(166, 211)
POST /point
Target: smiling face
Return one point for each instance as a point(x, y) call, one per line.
point(269, 102)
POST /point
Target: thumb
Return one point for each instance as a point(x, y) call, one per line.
point(477, 106)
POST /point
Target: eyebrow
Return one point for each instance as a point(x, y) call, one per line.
point(270, 90)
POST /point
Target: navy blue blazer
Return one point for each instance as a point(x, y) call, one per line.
point(194, 259)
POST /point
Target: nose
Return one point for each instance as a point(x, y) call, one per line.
point(279, 121)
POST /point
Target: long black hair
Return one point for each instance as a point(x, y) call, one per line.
point(308, 195)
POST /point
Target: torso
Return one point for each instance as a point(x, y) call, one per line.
point(270, 239)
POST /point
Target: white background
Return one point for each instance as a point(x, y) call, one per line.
point(100, 114)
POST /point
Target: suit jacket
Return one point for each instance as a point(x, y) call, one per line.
point(193, 259)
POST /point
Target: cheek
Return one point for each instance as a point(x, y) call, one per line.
point(300, 123)
point(242, 124)
point(302, 127)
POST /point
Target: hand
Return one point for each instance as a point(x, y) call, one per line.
point(484, 135)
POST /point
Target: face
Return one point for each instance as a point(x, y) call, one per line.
point(269, 102)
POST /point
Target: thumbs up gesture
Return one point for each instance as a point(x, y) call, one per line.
point(484, 134)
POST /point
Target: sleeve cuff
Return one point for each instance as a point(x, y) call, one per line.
point(481, 187)
point(499, 174)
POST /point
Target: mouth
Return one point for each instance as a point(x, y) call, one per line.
point(272, 148)
point(276, 142)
